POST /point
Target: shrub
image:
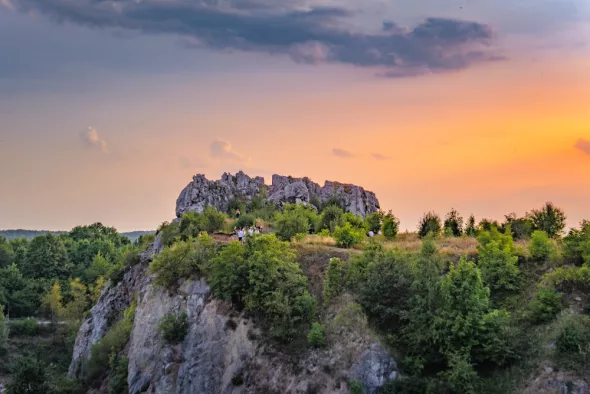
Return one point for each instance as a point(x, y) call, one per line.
point(453, 223)
point(112, 343)
point(499, 265)
point(430, 223)
point(573, 342)
point(334, 280)
point(118, 378)
point(470, 229)
point(182, 260)
point(541, 247)
point(316, 336)
point(324, 233)
point(173, 327)
point(355, 387)
point(522, 228)
point(331, 217)
point(296, 219)
point(245, 220)
point(549, 218)
point(567, 279)
point(390, 225)
point(29, 376)
point(576, 245)
point(212, 220)
point(545, 306)
point(3, 329)
point(346, 236)
point(487, 225)
point(24, 328)
point(170, 233)
point(356, 221)
point(262, 277)
point(373, 221)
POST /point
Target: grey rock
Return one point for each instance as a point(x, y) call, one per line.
point(202, 192)
point(374, 369)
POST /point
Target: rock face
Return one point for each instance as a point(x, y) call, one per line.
point(202, 192)
point(224, 352)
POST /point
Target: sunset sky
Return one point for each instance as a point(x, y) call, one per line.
point(109, 107)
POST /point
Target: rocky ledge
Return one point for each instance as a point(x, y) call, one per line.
point(202, 192)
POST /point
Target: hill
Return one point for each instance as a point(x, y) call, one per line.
point(30, 234)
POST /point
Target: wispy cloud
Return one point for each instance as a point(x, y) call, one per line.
point(316, 34)
point(92, 140)
point(379, 156)
point(223, 150)
point(188, 163)
point(583, 145)
point(342, 153)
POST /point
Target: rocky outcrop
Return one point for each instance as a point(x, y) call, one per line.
point(202, 192)
point(224, 352)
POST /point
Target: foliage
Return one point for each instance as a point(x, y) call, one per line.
point(118, 377)
point(355, 387)
point(113, 342)
point(347, 236)
point(331, 217)
point(262, 277)
point(373, 221)
point(173, 327)
point(498, 263)
point(567, 279)
point(28, 376)
point(390, 225)
point(487, 225)
point(430, 223)
point(316, 336)
point(453, 223)
point(576, 245)
point(296, 219)
point(356, 221)
point(573, 342)
point(549, 218)
point(541, 247)
point(24, 328)
point(334, 279)
point(192, 223)
point(169, 232)
point(182, 260)
point(332, 201)
point(6, 253)
point(3, 330)
point(545, 306)
point(245, 220)
point(46, 258)
point(522, 228)
point(470, 229)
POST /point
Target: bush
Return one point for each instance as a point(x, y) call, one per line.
point(541, 247)
point(112, 343)
point(522, 228)
point(573, 343)
point(331, 217)
point(316, 336)
point(499, 264)
point(182, 260)
point(356, 221)
point(334, 280)
point(576, 245)
point(24, 328)
point(170, 232)
point(346, 236)
point(549, 218)
point(390, 226)
point(567, 279)
point(470, 229)
point(429, 224)
point(545, 306)
point(373, 221)
point(212, 220)
point(296, 219)
point(118, 378)
point(3, 330)
point(453, 224)
point(173, 327)
point(245, 220)
point(355, 387)
point(29, 376)
point(262, 277)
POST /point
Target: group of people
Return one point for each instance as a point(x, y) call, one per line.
point(241, 233)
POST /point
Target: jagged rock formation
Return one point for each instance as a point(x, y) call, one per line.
point(224, 352)
point(202, 192)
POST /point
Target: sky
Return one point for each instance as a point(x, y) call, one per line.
point(109, 107)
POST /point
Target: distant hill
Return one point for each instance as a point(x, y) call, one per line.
point(30, 234)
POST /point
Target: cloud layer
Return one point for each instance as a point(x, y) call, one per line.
point(379, 156)
point(583, 145)
point(92, 140)
point(310, 35)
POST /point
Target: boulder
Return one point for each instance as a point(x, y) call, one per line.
point(374, 368)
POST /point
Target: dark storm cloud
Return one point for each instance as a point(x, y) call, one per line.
point(313, 35)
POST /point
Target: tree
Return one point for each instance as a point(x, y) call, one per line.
point(294, 220)
point(576, 245)
point(28, 376)
point(430, 223)
point(46, 258)
point(3, 330)
point(53, 302)
point(541, 247)
point(346, 236)
point(453, 224)
point(331, 217)
point(373, 221)
point(390, 225)
point(470, 229)
point(549, 218)
point(498, 264)
point(6, 253)
point(522, 228)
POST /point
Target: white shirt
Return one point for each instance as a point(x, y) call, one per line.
point(371, 233)
point(240, 234)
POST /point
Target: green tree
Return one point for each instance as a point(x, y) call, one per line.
point(331, 217)
point(6, 253)
point(470, 229)
point(3, 330)
point(390, 225)
point(498, 264)
point(213, 220)
point(356, 221)
point(100, 267)
point(29, 376)
point(541, 247)
point(453, 223)
point(347, 236)
point(549, 218)
point(430, 223)
point(46, 258)
point(293, 220)
point(373, 221)
point(522, 228)
point(576, 245)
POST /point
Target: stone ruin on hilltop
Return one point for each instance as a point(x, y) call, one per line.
point(202, 192)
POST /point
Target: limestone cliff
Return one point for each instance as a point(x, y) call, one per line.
point(202, 192)
point(224, 351)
